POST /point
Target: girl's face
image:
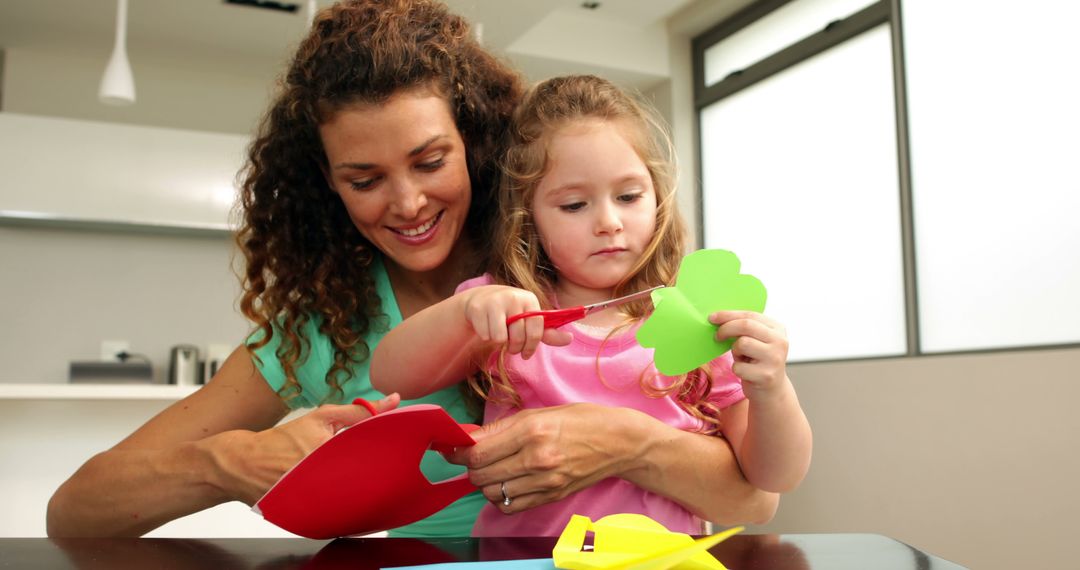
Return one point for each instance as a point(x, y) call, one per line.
point(400, 169)
point(595, 209)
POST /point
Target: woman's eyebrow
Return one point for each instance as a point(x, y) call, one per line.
point(420, 148)
point(354, 165)
point(368, 166)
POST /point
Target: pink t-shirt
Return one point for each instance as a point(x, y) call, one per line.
point(555, 376)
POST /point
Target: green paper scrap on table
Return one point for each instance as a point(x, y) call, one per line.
point(679, 328)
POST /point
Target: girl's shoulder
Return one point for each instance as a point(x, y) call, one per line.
point(480, 281)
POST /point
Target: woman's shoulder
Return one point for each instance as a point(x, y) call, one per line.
point(306, 328)
point(312, 340)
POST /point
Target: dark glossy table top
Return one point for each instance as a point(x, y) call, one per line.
point(741, 552)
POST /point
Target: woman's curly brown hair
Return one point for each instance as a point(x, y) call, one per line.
point(304, 257)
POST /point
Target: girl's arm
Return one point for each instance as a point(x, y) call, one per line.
point(214, 446)
point(545, 454)
point(446, 342)
point(769, 431)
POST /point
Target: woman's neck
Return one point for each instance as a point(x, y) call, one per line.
point(417, 290)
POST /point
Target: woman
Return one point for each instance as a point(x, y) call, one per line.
point(367, 198)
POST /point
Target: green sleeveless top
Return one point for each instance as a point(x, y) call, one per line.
point(456, 519)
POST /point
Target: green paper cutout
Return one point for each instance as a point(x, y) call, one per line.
point(679, 327)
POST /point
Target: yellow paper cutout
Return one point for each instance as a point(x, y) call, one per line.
point(634, 542)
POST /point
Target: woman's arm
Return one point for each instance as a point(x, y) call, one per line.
point(446, 342)
point(546, 454)
point(211, 447)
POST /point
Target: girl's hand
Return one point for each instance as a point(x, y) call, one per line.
point(251, 462)
point(760, 351)
point(488, 307)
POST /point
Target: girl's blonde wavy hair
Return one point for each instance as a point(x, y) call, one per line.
point(519, 259)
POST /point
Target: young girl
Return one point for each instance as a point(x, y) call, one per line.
point(588, 214)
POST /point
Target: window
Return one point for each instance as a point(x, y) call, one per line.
point(793, 226)
point(994, 126)
point(893, 213)
point(775, 30)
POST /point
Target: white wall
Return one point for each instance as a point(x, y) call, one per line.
point(973, 458)
point(62, 292)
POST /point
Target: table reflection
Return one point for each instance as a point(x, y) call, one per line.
point(360, 553)
point(740, 552)
point(162, 553)
point(760, 551)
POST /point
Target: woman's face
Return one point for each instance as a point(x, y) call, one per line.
point(400, 169)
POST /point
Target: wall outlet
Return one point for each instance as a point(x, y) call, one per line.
point(110, 348)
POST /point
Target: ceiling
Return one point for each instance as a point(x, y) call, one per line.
point(622, 38)
point(205, 65)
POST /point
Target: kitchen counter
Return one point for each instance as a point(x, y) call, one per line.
point(119, 391)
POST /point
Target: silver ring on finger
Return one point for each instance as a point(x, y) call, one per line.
point(506, 498)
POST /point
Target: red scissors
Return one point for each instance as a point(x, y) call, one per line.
point(554, 318)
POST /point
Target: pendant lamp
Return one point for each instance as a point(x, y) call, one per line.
point(118, 84)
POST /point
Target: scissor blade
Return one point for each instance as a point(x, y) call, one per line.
point(589, 309)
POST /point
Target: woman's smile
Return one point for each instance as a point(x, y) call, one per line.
point(418, 234)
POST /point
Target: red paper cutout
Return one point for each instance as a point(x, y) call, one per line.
point(367, 478)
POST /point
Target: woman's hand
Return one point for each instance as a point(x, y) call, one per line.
point(543, 455)
point(760, 351)
point(250, 463)
point(488, 307)
point(216, 445)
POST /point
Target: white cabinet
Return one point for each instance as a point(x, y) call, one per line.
point(72, 171)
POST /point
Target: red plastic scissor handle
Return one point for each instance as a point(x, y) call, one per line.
point(553, 318)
